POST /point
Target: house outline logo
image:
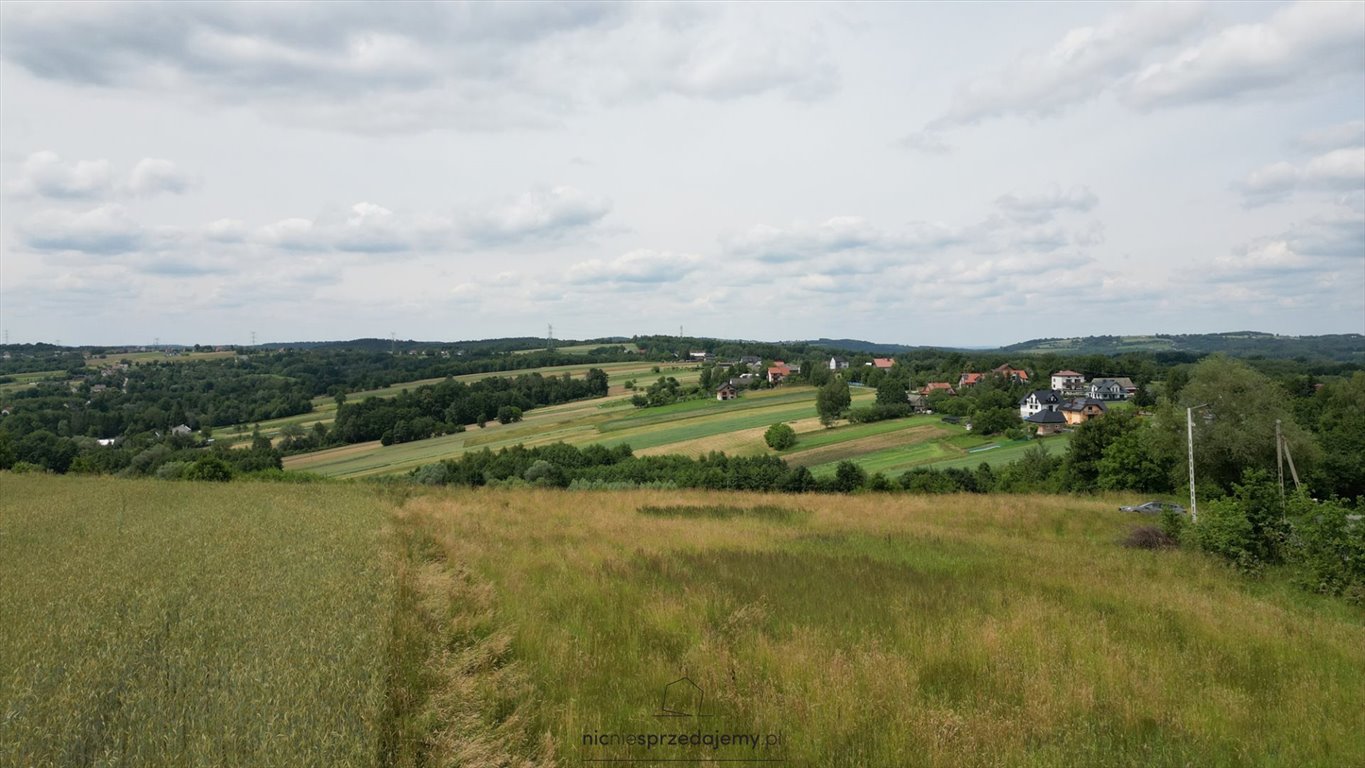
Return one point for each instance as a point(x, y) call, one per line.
point(682, 698)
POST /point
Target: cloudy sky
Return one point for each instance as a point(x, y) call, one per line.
point(916, 173)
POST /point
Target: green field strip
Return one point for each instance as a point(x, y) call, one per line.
point(889, 460)
point(820, 438)
point(1009, 451)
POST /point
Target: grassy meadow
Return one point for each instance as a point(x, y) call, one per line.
point(164, 623)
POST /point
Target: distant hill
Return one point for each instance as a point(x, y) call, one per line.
point(1343, 346)
point(858, 345)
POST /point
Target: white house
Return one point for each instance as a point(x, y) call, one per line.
point(1040, 400)
point(838, 363)
point(1068, 381)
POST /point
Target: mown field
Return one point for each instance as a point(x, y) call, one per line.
point(163, 623)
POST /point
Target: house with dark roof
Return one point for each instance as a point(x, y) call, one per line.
point(918, 403)
point(1082, 409)
point(727, 391)
point(838, 363)
point(1047, 422)
point(1039, 400)
point(1120, 388)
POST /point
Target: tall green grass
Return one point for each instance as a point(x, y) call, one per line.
point(152, 623)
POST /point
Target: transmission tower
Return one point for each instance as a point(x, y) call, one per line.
point(550, 336)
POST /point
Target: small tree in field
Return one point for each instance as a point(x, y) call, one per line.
point(780, 437)
point(832, 400)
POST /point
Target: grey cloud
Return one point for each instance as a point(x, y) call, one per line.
point(104, 230)
point(383, 68)
point(1298, 45)
point(1347, 134)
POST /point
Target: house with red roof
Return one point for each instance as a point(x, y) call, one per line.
point(937, 386)
point(778, 371)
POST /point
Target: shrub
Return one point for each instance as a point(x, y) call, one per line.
point(543, 472)
point(1223, 529)
point(432, 474)
point(1173, 524)
point(780, 437)
point(848, 477)
point(172, 470)
point(1327, 548)
point(209, 467)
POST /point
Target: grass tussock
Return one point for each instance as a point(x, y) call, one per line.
point(1148, 537)
point(771, 512)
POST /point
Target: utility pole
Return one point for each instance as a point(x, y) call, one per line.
point(1279, 461)
point(253, 338)
point(1189, 437)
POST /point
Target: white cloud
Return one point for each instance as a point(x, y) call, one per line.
point(1341, 170)
point(640, 266)
point(1299, 45)
point(539, 214)
point(1084, 63)
point(45, 174)
point(1044, 205)
point(154, 175)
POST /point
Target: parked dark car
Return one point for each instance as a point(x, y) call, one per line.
point(1154, 508)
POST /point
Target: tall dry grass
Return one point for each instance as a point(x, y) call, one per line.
point(888, 630)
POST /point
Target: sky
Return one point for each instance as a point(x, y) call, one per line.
point(917, 173)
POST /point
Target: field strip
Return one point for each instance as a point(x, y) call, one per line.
point(851, 449)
